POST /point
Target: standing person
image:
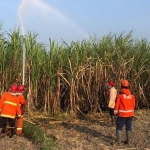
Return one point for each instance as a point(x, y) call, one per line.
point(9, 108)
point(112, 100)
point(124, 107)
point(22, 103)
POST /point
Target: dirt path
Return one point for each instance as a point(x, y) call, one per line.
point(97, 135)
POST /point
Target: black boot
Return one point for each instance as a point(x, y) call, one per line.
point(12, 132)
point(128, 135)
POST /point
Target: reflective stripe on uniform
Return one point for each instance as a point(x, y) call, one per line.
point(11, 103)
point(125, 111)
point(19, 128)
point(12, 127)
point(7, 116)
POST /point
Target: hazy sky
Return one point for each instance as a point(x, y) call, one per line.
point(73, 20)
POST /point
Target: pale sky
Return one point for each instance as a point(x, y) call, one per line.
point(73, 20)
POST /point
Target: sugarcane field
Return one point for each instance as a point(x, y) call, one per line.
point(65, 88)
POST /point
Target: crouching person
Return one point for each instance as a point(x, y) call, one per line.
point(9, 107)
point(22, 102)
point(124, 107)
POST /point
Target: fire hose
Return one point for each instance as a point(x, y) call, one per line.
point(3, 134)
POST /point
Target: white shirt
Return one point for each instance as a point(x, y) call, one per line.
point(112, 97)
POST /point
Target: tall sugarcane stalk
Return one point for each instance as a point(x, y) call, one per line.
point(67, 76)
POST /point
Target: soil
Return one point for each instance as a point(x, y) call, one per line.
point(94, 133)
point(98, 134)
point(16, 143)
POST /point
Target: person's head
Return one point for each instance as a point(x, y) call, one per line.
point(13, 89)
point(125, 84)
point(20, 88)
point(111, 84)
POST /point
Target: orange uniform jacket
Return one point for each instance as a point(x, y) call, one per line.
point(125, 104)
point(9, 106)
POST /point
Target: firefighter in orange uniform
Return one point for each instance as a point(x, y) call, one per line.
point(9, 108)
point(22, 103)
point(124, 108)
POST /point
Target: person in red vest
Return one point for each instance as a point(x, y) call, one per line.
point(9, 108)
point(124, 108)
point(22, 102)
point(112, 100)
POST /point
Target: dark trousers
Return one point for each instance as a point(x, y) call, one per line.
point(127, 121)
point(111, 111)
point(4, 122)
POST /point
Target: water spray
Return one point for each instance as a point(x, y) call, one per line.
point(22, 44)
point(45, 9)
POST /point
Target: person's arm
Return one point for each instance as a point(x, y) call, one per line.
point(117, 105)
point(134, 102)
point(2, 102)
point(18, 110)
point(22, 100)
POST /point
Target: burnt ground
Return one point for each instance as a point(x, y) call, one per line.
point(16, 143)
point(94, 133)
point(97, 134)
